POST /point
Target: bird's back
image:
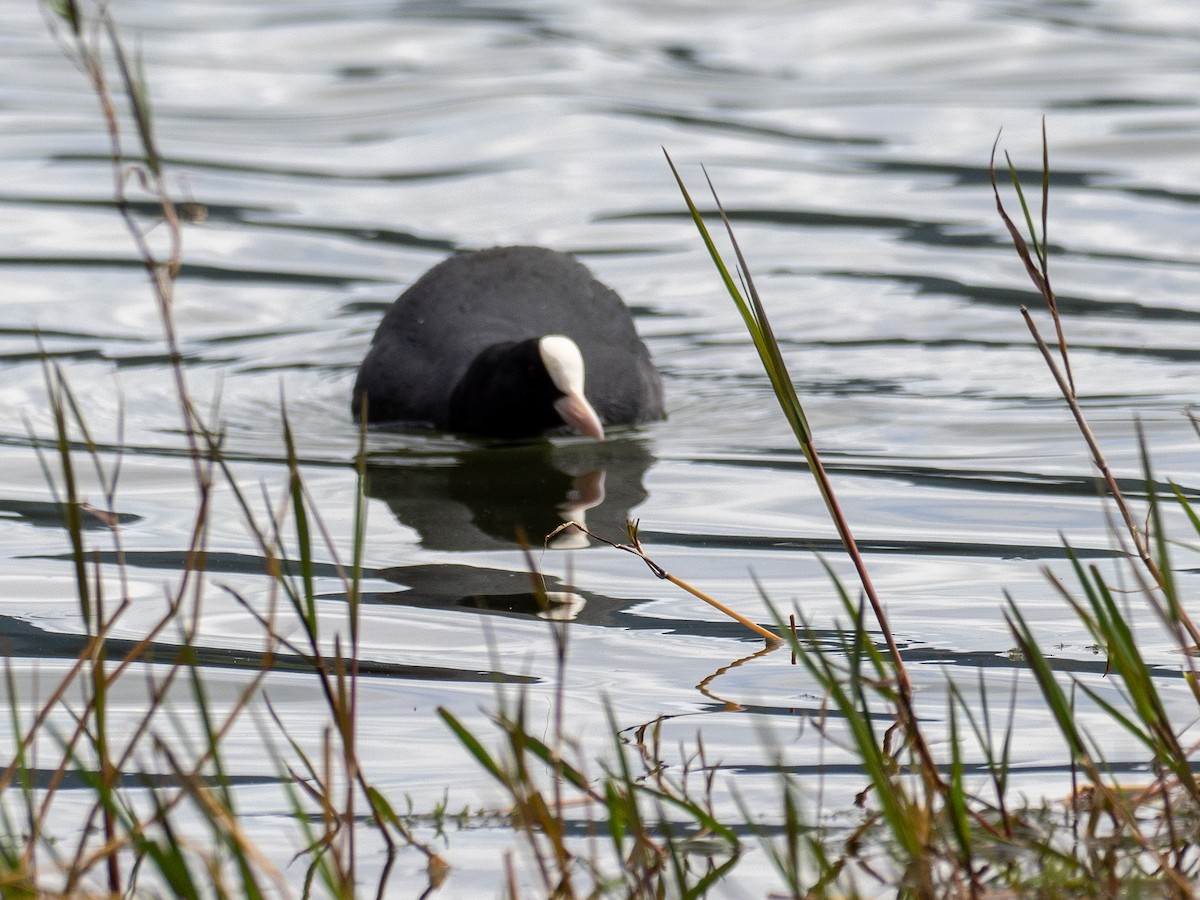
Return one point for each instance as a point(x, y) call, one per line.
point(429, 336)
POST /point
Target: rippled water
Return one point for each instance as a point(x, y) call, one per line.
point(342, 148)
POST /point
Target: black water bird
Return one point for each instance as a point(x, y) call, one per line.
point(509, 342)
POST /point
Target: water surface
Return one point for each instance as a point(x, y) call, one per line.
point(342, 149)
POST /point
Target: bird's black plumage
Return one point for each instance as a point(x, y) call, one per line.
point(459, 349)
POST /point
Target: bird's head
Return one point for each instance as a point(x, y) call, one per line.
point(524, 388)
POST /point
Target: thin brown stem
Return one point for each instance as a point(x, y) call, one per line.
point(1098, 458)
point(635, 548)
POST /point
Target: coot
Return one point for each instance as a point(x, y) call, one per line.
point(508, 342)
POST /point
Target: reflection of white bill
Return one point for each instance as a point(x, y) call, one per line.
point(564, 605)
point(587, 492)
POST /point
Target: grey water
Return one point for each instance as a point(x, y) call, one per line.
point(340, 149)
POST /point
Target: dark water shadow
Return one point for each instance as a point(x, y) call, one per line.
point(46, 514)
point(20, 639)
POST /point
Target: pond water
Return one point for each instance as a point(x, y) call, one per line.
point(340, 149)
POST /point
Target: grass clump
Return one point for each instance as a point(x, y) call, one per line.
point(632, 832)
point(932, 825)
point(162, 814)
point(939, 835)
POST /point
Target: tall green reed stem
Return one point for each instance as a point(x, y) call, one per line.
point(754, 315)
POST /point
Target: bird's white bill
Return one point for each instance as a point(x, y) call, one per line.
point(564, 364)
point(578, 413)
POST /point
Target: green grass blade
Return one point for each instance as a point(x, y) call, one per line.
point(1052, 692)
point(752, 314)
point(303, 534)
point(473, 746)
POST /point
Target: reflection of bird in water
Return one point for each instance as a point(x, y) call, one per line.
point(483, 498)
point(480, 498)
point(508, 342)
point(587, 492)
